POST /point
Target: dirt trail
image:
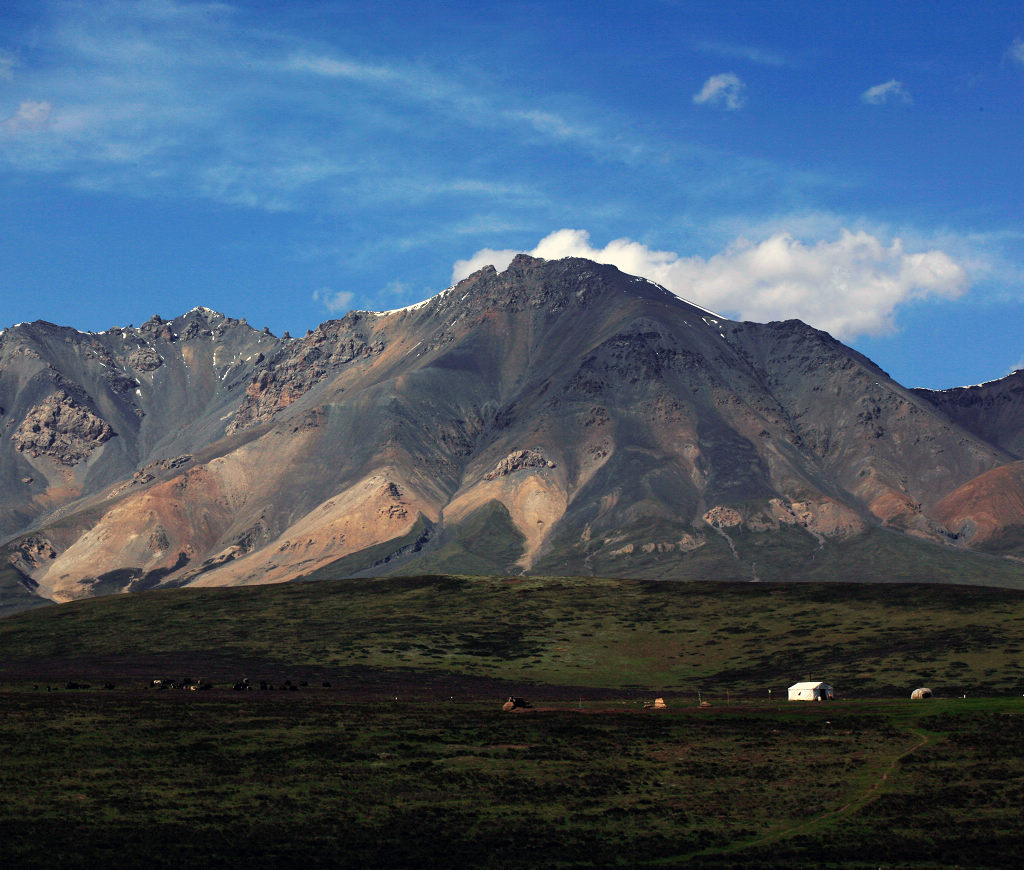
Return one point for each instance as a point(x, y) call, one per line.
point(875, 789)
point(856, 803)
point(859, 801)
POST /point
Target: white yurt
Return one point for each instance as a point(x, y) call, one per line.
point(815, 691)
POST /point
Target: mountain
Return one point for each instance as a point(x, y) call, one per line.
point(557, 417)
point(993, 411)
point(988, 511)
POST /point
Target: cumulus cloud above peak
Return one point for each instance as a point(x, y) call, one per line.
point(722, 91)
point(851, 286)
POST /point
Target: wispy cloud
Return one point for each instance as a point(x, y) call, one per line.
point(160, 97)
point(335, 301)
point(891, 91)
point(8, 62)
point(851, 286)
point(1016, 51)
point(722, 91)
point(30, 116)
point(332, 67)
point(554, 125)
point(752, 54)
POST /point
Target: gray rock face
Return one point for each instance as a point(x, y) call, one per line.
point(299, 366)
point(993, 411)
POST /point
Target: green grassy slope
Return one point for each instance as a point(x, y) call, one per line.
point(866, 639)
point(408, 761)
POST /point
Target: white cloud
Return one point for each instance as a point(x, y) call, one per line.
point(851, 286)
point(330, 67)
point(30, 116)
point(335, 301)
point(7, 64)
point(552, 125)
point(484, 257)
point(723, 91)
point(891, 91)
point(1016, 51)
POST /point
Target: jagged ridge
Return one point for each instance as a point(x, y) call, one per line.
point(595, 420)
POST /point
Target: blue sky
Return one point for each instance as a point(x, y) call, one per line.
point(854, 165)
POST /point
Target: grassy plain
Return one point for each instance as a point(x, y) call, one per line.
point(406, 760)
point(680, 638)
point(312, 778)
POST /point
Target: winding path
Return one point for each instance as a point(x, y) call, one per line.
point(856, 803)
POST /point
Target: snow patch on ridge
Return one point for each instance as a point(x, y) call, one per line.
point(415, 306)
point(972, 386)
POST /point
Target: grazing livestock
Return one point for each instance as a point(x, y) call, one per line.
point(186, 684)
point(514, 703)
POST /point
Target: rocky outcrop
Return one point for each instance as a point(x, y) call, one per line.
point(145, 359)
point(722, 517)
point(301, 365)
point(685, 544)
point(62, 429)
point(519, 459)
point(32, 552)
point(150, 472)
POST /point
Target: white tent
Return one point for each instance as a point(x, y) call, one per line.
point(811, 692)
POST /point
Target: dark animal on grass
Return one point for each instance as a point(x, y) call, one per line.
point(514, 703)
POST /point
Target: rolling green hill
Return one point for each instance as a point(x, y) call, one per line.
point(606, 634)
point(392, 749)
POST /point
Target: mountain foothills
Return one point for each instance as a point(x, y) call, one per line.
point(559, 417)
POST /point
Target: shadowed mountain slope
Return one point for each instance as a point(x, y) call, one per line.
point(557, 417)
point(993, 411)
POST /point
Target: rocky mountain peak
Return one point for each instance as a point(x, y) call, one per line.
point(557, 417)
point(533, 283)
